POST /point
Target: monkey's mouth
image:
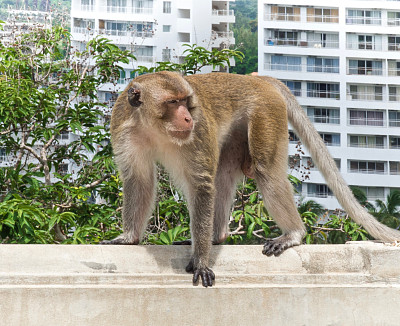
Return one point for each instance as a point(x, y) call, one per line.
point(180, 134)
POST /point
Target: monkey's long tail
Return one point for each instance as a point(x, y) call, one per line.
point(326, 165)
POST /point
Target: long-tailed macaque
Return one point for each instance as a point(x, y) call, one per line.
point(208, 130)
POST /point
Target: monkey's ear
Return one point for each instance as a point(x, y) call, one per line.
point(134, 97)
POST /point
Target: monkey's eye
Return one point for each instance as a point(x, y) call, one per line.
point(172, 101)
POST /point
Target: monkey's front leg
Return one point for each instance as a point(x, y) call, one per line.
point(201, 209)
point(139, 195)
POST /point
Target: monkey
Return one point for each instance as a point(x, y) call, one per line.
point(208, 130)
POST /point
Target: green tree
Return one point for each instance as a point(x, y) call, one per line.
point(389, 212)
point(245, 31)
point(48, 92)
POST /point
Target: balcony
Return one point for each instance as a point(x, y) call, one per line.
point(301, 68)
point(374, 46)
point(127, 10)
point(282, 17)
point(301, 43)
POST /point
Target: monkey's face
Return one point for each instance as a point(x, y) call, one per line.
point(165, 104)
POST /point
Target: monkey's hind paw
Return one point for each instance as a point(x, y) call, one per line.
point(187, 242)
point(121, 240)
point(278, 245)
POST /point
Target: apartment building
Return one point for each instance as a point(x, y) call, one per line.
point(342, 62)
point(153, 30)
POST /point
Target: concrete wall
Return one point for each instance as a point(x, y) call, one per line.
point(353, 284)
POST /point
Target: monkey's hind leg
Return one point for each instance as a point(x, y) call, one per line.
point(269, 158)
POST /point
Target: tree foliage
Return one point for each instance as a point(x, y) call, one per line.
point(245, 31)
point(48, 92)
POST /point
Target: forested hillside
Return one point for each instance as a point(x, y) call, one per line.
point(42, 5)
point(245, 30)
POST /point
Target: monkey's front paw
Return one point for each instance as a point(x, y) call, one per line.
point(207, 276)
point(278, 245)
point(120, 240)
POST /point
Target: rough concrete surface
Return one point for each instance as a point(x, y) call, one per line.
point(352, 284)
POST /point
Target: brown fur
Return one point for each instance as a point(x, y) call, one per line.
point(239, 126)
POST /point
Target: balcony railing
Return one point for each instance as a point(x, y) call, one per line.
point(297, 18)
point(365, 71)
point(394, 72)
point(373, 122)
point(355, 20)
point(113, 32)
point(324, 119)
point(301, 68)
point(394, 123)
point(87, 7)
point(367, 171)
point(301, 43)
point(323, 94)
point(377, 46)
point(394, 46)
point(364, 145)
point(364, 96)
point(322, 19)
point(223, 34)
point(393, 21)
point(127, 10)
point(282, 17)
point(216, 12)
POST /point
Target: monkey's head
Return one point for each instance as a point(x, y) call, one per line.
point(165, 102)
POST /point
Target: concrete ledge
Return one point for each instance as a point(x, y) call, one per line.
point(354, 284)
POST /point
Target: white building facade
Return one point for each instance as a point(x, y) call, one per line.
point(342, 61)
point(154, 30)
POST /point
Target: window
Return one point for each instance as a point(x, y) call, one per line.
point(293, 138)
point(167, 7)
point(394, 168)
point(318, 190)
point(393, 91)
point(365, 67)
point(63, 169)
point(324, 15)
point(288, 63)
point(365, 141)
point(365, 42)
point(394, 118)
point(328, 65)
point(373, 192)
point(285, 37)
point(166, 28)
point(394, 142)
point(394, 43)
point(323, 90)
point(366, 93)
point(87, 5)
point(364, 17)
point(366, 118)
point(393, 68)
point(64, 135)
point(294, 86)
point(322, 40)
point(367, 167)
point(323, 115)
point(285, 13)
point(330, 139)
point(3, 155)
point(393, 18)
point(166, 54)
